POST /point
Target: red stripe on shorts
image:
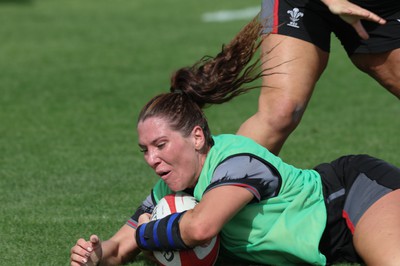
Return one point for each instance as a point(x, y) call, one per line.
point(349, 223)
point(275, 17)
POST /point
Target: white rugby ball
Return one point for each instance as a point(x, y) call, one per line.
point(205, 255)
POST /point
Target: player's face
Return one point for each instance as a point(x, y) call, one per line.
point(176, 159)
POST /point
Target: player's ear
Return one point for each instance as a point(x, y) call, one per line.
point(198, 138)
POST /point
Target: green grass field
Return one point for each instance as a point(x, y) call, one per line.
point(73, 76)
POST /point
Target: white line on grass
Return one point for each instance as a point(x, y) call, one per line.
point(228, 15)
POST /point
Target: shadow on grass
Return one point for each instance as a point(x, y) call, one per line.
point(141, 260)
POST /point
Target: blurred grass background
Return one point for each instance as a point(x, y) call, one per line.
point(73, 76)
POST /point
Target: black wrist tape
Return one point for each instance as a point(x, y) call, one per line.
point(162, 234)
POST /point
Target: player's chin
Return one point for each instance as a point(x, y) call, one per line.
point(176, 186)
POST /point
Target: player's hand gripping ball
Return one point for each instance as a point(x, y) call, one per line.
point(205, 255)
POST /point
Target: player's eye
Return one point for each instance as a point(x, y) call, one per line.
point(142, 149)
point(161, 145)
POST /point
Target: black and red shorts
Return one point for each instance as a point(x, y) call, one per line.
point(351, 184)
point(311, 21)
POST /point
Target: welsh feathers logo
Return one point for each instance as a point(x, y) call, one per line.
point(295, 15)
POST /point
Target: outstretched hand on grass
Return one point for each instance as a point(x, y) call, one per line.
point(353, 14)
point(86, 252)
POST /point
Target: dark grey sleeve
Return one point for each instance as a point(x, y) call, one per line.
point(147, 206)
point(254, 174)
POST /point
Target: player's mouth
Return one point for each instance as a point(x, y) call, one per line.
point(163, 175)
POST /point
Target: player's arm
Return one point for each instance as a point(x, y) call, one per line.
point(119, 249)
point(236, 182)
point(194, 227)
point(199, 225)
point(353, 14)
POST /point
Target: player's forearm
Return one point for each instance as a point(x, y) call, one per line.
point(115, 254)
point(110, 253)
point(196, 231)
point(330, 2)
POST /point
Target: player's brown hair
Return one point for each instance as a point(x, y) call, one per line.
point(211, 80)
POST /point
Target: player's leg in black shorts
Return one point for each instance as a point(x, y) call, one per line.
point(351, 185)
point(307, 20)
point(311, 21)
point(382, 38)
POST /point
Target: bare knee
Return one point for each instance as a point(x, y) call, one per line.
point(383, 67)
point(283, 116)
point(386, 77)
point(273, 123)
